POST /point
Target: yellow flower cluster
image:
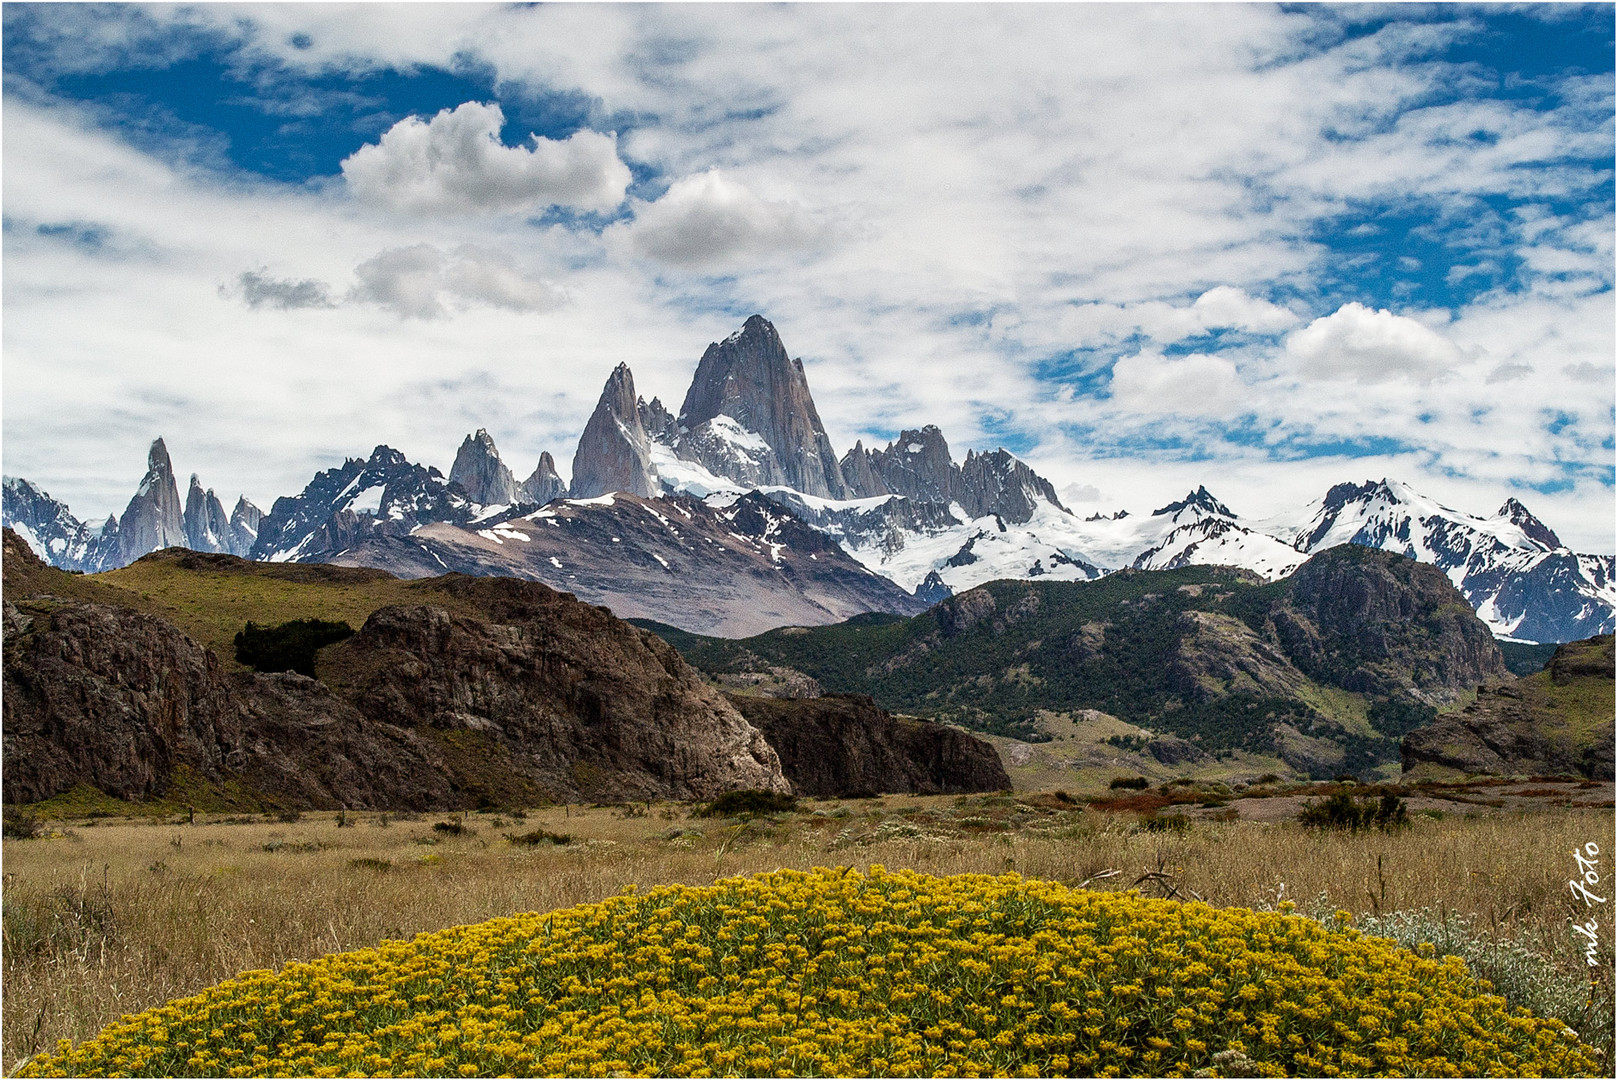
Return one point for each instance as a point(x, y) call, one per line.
point(839, 973)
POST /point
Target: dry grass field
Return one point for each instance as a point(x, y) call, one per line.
point(104, 917)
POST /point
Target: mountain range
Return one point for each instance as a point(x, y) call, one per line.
point(735, 515)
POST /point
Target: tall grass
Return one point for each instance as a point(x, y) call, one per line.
point(121, 916)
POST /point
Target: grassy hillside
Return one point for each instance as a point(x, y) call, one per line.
point(212, 597)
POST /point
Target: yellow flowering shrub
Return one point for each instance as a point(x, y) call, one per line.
point(839, 973)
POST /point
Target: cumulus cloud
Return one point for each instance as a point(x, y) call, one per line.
point(1227, 307)
point(1371, 346)
point(259, 290)
point(456, 164)
point(1194, 385)
point(706, 219)
point(416, 281)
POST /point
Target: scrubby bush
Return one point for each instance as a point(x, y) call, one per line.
point(1135, 783)
point(20, 824)
point(289, 646)
point(748, 804)
point(1342, 811)
point(539, 836)
point(836, 973)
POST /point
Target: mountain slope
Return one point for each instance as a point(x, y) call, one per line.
point(1555, 722)
point(1328, 667)
point(728, 569)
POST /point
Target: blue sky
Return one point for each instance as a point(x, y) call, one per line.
point(1144, 247)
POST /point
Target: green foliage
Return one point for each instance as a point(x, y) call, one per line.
point(1397, 718)
point(1136, 783)
point(1525, 658)
point(1343, 811)
point(1033, 653)
point(748, 803)
point(288, 647)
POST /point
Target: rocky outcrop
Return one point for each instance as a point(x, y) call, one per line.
point(479, 470)
point(493, 691)
point(1557, 722)
point(749, 379)
point(206, 527)
point(124, 702)
point(1217, 655)
point(154, 518)
point(614, 453)
point(564, 694)
point(1377, 623)
point(845, 745)
point(544, 485)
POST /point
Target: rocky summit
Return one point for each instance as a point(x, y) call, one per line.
point(154, 518)
point(480, 472)
point(614, 453)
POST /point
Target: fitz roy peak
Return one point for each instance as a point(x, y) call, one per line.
point(735, 516)
point(748, 416)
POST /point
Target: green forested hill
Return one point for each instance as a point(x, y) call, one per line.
point(1331, 666)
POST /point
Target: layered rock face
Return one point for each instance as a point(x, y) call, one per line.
point(749, 378)
point(614, 453)
point(535, 696)
point(154, 518)
point(1556, 722)
point(479, 470)
point(845, 745)
point(544, 485)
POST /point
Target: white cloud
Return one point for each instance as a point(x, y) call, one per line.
point(456, 164)
point(1227, 306)
point(1194, 385)
point(708, 220)
point(414, 281)
point(1009, 185)
point(1371, 346)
